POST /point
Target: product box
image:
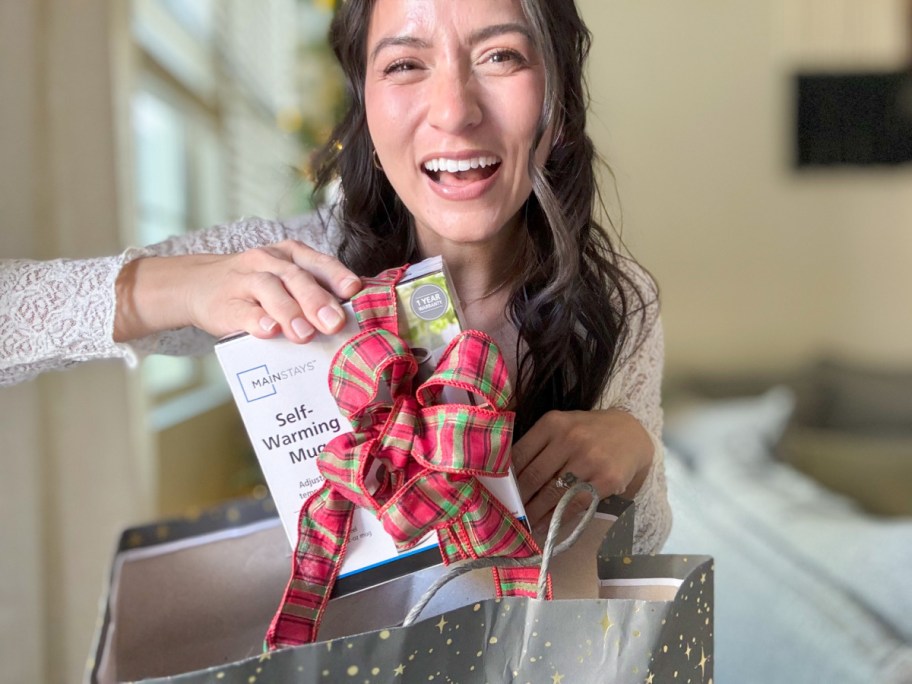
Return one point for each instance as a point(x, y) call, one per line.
point(282, 391)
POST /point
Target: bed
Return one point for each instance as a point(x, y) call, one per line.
point(810, 587)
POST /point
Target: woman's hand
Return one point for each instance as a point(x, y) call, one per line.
point(608, 448)
point(287, 287)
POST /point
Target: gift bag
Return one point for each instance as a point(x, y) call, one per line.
point(189, 606)
point(190, 601)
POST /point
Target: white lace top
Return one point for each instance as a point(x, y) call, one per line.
point(54, 314)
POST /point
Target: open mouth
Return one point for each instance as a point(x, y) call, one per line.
point(460, 172)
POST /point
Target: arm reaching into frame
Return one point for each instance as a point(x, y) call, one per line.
point(56, 313)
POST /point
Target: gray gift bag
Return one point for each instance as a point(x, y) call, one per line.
point(190, 601)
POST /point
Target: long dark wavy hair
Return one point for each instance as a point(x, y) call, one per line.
point(571, 300)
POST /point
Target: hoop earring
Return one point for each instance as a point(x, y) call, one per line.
point(376, 160)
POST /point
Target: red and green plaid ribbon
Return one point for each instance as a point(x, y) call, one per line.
point(410, 460)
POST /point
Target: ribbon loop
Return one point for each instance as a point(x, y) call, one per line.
point(366, 364)
point(472, 363)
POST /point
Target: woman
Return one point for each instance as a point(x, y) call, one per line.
point(466, 138)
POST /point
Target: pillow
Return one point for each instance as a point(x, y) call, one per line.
point(874, 470)
point(741, 429)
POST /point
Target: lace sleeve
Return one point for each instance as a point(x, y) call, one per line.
point(636, 387)
point(54, 314)
point(57, 313)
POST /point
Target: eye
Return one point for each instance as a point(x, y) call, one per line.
point(505, 59)
point(504, 56)
point(400, 66)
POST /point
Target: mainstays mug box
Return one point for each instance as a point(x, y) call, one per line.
point(282, 391)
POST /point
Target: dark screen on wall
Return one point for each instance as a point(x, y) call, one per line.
point(854, 119)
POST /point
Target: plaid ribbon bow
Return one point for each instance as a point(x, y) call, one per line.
point(410, 460)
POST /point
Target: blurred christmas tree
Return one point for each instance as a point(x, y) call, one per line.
point(320, 83)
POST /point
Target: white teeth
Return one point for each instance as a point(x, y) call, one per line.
point(454, 165)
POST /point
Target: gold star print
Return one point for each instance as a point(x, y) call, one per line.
point(702, 663)
point(606, 623)
point(399, 671)
point(440, 625)
point(703, 578)
point(650, 678)
point(265, 656)
point(687, 652)
point(557, 678)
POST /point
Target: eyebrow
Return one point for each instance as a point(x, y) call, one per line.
point(484, 34)
point(396, 41)
point(476, 37)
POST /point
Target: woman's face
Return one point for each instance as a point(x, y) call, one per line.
point(453, 93)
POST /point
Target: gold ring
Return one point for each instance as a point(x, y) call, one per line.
point(566, 481)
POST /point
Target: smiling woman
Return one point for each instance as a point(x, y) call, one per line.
point(453, 95)
point(465, 136)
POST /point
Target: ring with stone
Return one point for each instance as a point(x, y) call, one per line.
point(566, 481)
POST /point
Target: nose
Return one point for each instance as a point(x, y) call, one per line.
point(454, 105)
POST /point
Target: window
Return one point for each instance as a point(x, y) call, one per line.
point(211, 81)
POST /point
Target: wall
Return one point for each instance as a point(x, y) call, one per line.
point(761, 267)
point(21, 628)
point(71, 476)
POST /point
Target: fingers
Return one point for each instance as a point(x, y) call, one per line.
point(596, 446)
point(275, 309)
point(538, 460)
point(542, 504)
point(296, 287)
point(327, 271)
point(532, 466)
